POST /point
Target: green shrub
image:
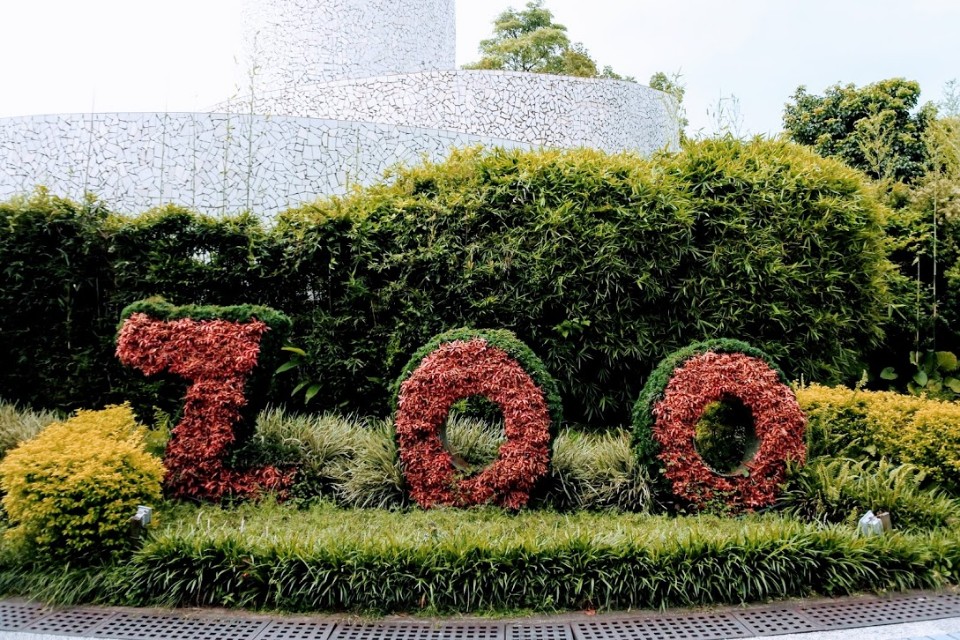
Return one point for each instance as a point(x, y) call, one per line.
point(19, 425)
point(840, 490)
point(71, 491)
point(329, 559)
point(602, 264)
point(903, 428)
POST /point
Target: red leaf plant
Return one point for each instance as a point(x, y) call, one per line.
point(457, 370)
point(779, 425)
point(216, 356)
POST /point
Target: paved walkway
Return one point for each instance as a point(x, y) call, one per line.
point(910, 616)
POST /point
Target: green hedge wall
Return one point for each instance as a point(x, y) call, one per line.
point(603, 264)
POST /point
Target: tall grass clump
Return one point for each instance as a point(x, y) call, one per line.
point(18, 424)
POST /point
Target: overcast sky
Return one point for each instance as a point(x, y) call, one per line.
point(61, 56)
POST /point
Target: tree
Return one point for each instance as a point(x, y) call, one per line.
point(531, 41)
point(671, 85)
point(875, 128)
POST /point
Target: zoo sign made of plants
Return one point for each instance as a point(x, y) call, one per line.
point(219, 349)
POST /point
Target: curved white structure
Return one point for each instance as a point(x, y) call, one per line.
point(343, 89)
point(295, 42)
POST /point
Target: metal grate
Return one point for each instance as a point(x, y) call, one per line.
point(771, 622)
point(539, 631)
point(296, 630)
point(697, 627)
point(14, 615)
point(403, 631)
point(845, 615)
point(146, 626)
point(74, 622)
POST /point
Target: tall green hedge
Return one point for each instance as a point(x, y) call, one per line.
point(603, 264)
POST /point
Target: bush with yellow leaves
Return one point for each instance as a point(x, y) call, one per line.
point(71, 491)
point(882, 424)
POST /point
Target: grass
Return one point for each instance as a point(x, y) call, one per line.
point(325, 558)
point(18, 424)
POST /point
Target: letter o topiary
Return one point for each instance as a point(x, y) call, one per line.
point(457, 365)
point(71, 491)
point(673, 401)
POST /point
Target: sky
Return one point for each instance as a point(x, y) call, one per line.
point(740, 60)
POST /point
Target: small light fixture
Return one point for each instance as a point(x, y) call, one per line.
point(143, 517)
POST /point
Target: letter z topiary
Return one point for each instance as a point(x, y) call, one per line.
point(459, 364)
point(71, 491)
point(674, 400)
point(226, 353)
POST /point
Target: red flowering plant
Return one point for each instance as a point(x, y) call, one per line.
point(674, 400)
point(457, 365)
point(218, 350)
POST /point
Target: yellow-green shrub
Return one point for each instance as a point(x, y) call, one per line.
point(902, 428)
point(71, 490)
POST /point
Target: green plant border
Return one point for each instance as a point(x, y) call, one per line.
point(502, 339)
point(645, 444)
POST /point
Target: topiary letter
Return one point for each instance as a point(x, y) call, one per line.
point(216, 349)
point(463, 363)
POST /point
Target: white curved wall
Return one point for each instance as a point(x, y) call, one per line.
point(538, 109)
point(292, 42)
point(214, 163)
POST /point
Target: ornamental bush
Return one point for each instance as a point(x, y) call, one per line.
point(227, 355)
point(457, 365)
point(604, 263)
point(71, 491)
point(883, 424)
point(689, 384)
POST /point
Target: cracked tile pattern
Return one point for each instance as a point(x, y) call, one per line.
point(213, 163)
point(293, 42)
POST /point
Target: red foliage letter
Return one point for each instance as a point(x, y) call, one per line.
point(216, 356)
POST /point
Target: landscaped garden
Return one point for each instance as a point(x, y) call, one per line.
point(509, 381)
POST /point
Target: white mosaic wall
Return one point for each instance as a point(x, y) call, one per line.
point(293, 42)
point(545, 110)
point(214, 163)
point(343, 90)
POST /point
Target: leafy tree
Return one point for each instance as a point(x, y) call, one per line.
point(531, 41)
point(875, 128)
point(671, 85)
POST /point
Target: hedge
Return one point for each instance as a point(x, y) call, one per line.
point(327, 559)
point(603, 264)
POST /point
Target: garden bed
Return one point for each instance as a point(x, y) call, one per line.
point(326, 558)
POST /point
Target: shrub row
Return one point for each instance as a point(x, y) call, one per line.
point(602, 264)
point(328, 559)
point(881, 424)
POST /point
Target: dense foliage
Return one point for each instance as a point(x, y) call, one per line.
point(462, 364)
point(479, 560)
point(603, 264)
point(529, 40)
point(873, 128)
point(71, 490)
point(881, 424)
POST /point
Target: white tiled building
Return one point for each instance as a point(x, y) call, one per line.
point(343, 89)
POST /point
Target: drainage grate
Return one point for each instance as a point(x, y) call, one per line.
point(396, 631)
point(14, 615)
point(75, 622)
point(845, 615)
point(296, 630)
point(697, 627)
point(145, 626)
point(771, 622)
point(542, 631)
